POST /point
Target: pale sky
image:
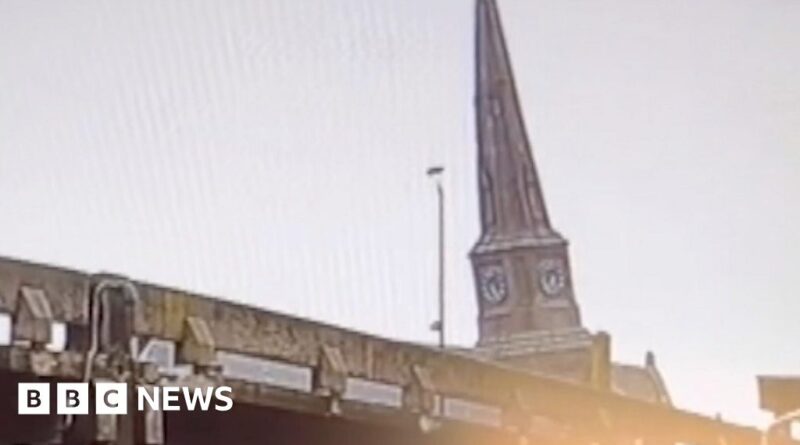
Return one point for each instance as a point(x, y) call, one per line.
point(273, 152)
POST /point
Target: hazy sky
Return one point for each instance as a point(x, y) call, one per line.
point(273, 152)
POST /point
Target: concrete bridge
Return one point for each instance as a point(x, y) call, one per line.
point(294, 381)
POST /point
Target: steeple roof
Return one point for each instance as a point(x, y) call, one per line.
point(511, 200)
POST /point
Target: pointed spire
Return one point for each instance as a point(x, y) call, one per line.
point(521, 265)
point(511, 200)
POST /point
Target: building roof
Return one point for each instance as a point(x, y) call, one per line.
point(640, 382)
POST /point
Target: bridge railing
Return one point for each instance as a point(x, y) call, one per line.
point(37, 297)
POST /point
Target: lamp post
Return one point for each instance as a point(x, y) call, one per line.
point(435, 172)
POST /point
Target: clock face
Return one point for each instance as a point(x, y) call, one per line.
point(552, 277)
point(493, 284)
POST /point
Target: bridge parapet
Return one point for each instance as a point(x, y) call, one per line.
point(202, 328)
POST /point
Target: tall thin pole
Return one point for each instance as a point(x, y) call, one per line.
point(440, 192)
point(439, 325)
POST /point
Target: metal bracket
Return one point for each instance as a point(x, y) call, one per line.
point(517, 414)
point(420, 395)
point(113, 302)
point(33, 318)
point(330, 377)
point(106, 427)
point(153, 422)
point(197, 346)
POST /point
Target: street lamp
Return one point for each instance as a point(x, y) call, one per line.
point(435, 172)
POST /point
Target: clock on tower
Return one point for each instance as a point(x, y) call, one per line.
point(520, 263)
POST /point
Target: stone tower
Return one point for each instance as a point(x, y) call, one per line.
point(520, 262)
point(528, 315)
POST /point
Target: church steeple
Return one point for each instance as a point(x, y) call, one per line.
point(511, 200)
point(520, 262)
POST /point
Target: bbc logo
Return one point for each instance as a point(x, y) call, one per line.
point(112, 398)
point(72, 398)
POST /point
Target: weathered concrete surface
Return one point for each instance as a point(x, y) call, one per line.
point(201, 326)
